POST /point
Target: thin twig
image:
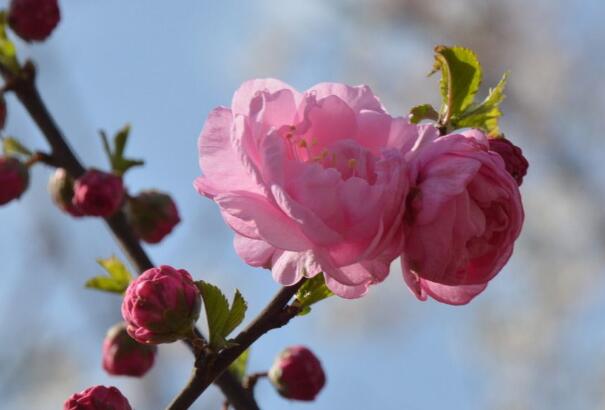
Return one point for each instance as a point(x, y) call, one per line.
point(277, 314)
point(24, 86)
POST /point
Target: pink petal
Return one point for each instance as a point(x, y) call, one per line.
point(358, 98)
point(254, 252)
point(219, 160)
point(330, 121)
point(346, 291)
point(270, 223)
point(248, 90)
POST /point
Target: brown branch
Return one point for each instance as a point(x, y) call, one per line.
point(277, 314)
point(24, 86)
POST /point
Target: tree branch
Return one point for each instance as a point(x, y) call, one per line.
point(24, 86)
point(277, 314)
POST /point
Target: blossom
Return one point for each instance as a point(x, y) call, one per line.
point(311, 182)
point(515, 162)
point(161, 306)
point(14, 179)
point(97, 398)
point(122, 355)
point(98, 193)
point(61, 188)
point(33, 20)
point(297, 374)
point(152, 215)
point(463, 216)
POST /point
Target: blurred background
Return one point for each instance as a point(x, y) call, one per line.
point(534, 340)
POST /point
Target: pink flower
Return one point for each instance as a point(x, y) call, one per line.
point(98, 193)
point(33, 20)
point(61, 188)
point(123, 356)
point(297, 374)
point(515, 162)
point(14, 179)
point(152, 215)
point(97, 398)
point(310, 182)
point(463, 215)
point(161, 306)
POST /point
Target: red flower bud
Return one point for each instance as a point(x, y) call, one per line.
point(152, 215)
point(297, 374)
point(97, 398)
point(515, 162)
point(14, 179)
point(161, 306)
point(123, 356)
point(98, 193)
point(33, 20)
point(61, 188)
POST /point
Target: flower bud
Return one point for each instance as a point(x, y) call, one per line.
point(98, 193)
point(14, 179)
point(33, 20)
point(97, 398)
point(61, 188)
point(161, 306)
point(297, 374)
point(152, 215)
point(515, 162)
point(124, 356)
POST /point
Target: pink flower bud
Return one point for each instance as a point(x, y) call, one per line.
point(33, 20)
point(515, 162)
point(98, 193)
point(61, 188)
point(297, 374)
point(161, 306)
point(152, 215)
point(97, 398)
point(123, 356)
point(14, 179)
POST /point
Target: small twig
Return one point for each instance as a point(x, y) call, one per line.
point(277, 314)
point(251, 380)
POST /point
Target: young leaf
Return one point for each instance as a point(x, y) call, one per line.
point(8, 52)
point(12, 146)
point(460, 79)
point(311, 292)
point(487, 114)
point(236, 313)
point(423, 112)
point(217, 311)
point(119, 163)
point(116, 269)
point(116, 281)
point(240, 366)
point(222, 319)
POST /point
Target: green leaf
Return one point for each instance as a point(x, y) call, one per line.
point(236, 313)
point(311, 292)
point(487, 114)
point(119, 163)
point(423, 112)
point(240, 366)
point(116, 269)
point(221, 318)
point(117, 279)
point(12, 146)
point(8, 52)
point(217, 311)
point(460, 79)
